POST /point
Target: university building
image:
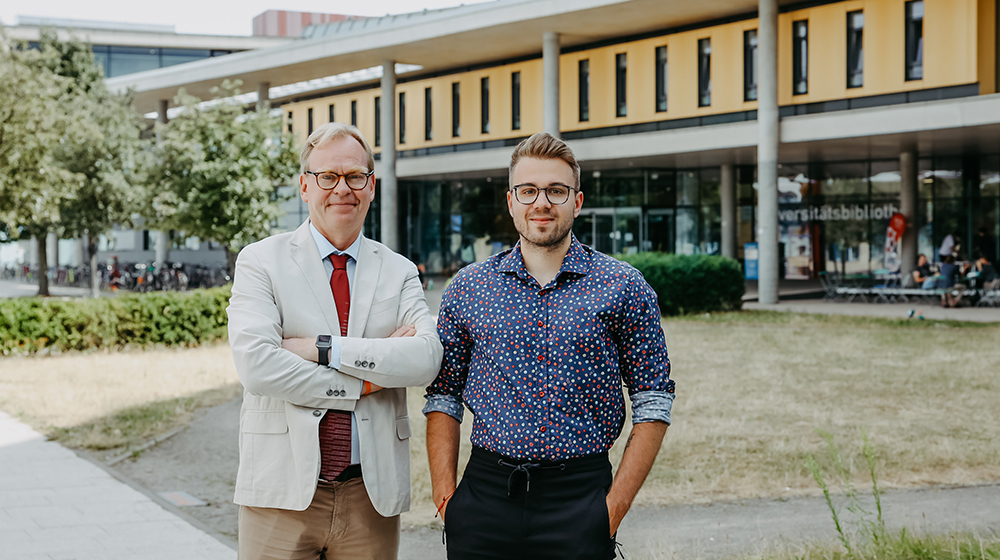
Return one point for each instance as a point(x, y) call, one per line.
point(869, 107)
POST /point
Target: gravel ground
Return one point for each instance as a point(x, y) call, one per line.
point(202, 461)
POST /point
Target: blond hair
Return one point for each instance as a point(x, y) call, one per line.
point(543, 145)
point(329, 132)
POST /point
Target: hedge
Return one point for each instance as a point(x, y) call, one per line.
point(30, 325)
point(691, 284)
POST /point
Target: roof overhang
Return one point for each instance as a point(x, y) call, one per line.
point(469, 35)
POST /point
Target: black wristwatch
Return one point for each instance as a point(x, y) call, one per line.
point(323, 344)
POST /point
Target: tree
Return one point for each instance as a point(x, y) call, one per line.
point(69, 149)
point(217, 170)
point(34, 120)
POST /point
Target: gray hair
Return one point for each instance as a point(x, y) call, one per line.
point(329, 132)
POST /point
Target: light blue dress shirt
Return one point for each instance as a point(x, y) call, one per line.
point(325, 249)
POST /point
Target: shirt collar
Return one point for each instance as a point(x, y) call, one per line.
point(326, 248)
point(576, 261)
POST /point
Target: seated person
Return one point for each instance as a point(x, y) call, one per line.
point(987, 273)
point(922, 276)
point(950, 274)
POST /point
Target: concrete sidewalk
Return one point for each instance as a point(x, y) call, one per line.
point(57, 505)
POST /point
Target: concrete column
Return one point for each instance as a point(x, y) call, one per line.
point(389, 215)
point(908, 207)
point(767, 152)
point(162, 238)
point(53, 250)
point(263, 95)
point(728, 192)
point(550, 81)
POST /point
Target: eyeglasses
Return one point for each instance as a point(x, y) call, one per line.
point(327, 180)
point(528, 194)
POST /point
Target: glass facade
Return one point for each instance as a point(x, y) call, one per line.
point(833, 216)
point(118, 61)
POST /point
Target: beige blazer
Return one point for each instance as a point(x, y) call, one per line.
point(280, 291)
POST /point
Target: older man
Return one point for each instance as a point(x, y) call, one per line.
point(327, 329)
point(538, 341)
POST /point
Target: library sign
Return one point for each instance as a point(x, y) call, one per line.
point(827, 212)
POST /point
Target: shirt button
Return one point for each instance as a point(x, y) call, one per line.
point(329, 392)
point(541, 324)
point(317, 413)
point(541, 394)
point(541, 358)
point(542, 429)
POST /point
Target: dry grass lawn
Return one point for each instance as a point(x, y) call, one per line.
point(108, 400)
point(753, 388)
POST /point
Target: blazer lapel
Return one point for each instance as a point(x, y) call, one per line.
point(306, 256)
point(365, 279)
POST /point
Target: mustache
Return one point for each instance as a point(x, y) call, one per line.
point(540, 215)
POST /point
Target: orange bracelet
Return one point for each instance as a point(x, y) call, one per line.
point(443, 502)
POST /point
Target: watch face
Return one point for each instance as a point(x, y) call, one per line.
point(324, 339)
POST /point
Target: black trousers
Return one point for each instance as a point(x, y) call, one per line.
point(514, 509)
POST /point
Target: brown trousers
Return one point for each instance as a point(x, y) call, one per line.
point(340, 524)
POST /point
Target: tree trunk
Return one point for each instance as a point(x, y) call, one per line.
point(230, 262)
point(95, 274)
point(43, 263)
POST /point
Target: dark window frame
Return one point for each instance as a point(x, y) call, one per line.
point(662, 72)
point(855, 49)
point(800, 57)
point(378, 121)
point(354, 112)
point(330, 113)
point(515, 100)
point(705, 72)
point(309, 121)
point(402, 117)
point(621, 84)
point(583, 75)
point(484, 105)
point(456, 109)
point(291, 121)
point(914, 40)
point(428, 114)
point(750, 64)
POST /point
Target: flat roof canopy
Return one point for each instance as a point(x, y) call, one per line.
point(436, 40)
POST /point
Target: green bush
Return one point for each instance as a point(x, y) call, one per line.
point(30, 325)
point(691, 284)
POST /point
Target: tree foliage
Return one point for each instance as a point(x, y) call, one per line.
point(70, 150)
point(218, 169)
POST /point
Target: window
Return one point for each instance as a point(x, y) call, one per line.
point(330, 113)
point(428, 116)
point(515, 101)
point(704, 72)
point(915, 40)
point(456, 118)
point(661, 79)
point(855, 49)
point(621, 66)
point(750, 65)
point(378, 121)
point(309, 122)
point(584, 74)
point(289, 121)
point(800, 57)
point(484, 92)
point(402, 117)
point(354, 112)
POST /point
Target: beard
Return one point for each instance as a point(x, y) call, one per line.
point(553, 236)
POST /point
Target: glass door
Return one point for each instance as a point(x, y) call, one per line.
point(610, 230)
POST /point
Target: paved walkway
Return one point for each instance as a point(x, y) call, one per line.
point(57, 505)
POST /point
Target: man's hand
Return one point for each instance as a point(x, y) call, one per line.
point(640, 452)
point(443, 433)
point(305, 348)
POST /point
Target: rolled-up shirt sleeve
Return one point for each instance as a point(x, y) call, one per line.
point(445, 393)
point(643, 359)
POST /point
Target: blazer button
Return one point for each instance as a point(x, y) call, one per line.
point(357, 363)
point(317, 413)
point(329, 392)
point(371, 365)
point(364, 364)
point(341, 393)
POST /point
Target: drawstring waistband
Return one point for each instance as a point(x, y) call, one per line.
point(526, 469)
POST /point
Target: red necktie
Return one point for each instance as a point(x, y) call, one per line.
point(335, 427)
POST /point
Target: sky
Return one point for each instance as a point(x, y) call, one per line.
point(212, 17)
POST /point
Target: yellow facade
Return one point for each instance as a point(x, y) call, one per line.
point(959, 49)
